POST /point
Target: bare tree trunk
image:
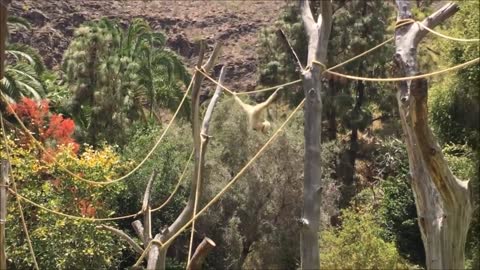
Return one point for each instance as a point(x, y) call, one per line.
point(318, 33)
point(443, 202)
point(3, 34)
point(200, 140)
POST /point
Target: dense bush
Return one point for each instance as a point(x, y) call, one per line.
point(46, 183)
point(358, 244)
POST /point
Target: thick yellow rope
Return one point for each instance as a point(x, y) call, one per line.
point(103, 219)
point(243, 93)
point(68, 215)
point(407, 21)
point(230, 183)
point(109, 181)
point(400, 78)
point(269, 88)
point(19, 204)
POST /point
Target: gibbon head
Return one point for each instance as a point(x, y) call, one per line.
point(265, 126)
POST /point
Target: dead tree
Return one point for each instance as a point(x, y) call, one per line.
point(443, 202)
point(157, 256)
point(156, 253)
point(318, 33)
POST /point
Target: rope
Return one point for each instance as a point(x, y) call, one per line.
point(269, 88)
point(177, 186)
point(103, 219)
point(362, 54)
point(147, 249)
point(19, 204)
point(68, 215)
point(109, 181)
point(408, 21)
point(229, 185)
point(244, 93)
point(400, 78)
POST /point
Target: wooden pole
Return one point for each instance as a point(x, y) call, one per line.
point(3, 210)
point(3, 34)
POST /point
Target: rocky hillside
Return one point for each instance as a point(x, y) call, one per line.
point(235, 23)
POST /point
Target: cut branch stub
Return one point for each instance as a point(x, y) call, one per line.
point(200, 254)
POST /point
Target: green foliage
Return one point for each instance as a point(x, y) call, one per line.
point(397, 210)
point(118, 77)
point(169, 160)
point(256, 221)
point(58, 242)
point(453, 101)
point(358, 244)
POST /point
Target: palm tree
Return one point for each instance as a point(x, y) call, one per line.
point(24, 67)
point(118, 77)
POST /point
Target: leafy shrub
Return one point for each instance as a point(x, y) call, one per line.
point(54, 242)
point(358, 244)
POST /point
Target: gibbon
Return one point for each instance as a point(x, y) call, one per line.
point(254, 112)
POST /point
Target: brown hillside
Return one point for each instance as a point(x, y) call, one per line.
point(236, 23)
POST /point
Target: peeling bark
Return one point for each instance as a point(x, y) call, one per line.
point(443, 202)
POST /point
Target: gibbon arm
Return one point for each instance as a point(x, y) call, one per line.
point(246, 107)
point(254, 112)
point(261, 106)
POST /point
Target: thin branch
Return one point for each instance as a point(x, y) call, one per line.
point(283, 38)
point(216, 52)
point(147, 224)
point(213, 101)
point(307, 16)
point(124, 236)
point(146, 196)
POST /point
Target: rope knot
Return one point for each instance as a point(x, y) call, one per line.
point(322, 65)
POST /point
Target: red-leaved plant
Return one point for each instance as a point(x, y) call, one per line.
point(52, 130)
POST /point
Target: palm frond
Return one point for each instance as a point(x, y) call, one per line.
point(22, 52)
point(23, 80)
point(16, 23)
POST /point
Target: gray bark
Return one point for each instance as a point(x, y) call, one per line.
point(443, 202)
point(318, 33)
